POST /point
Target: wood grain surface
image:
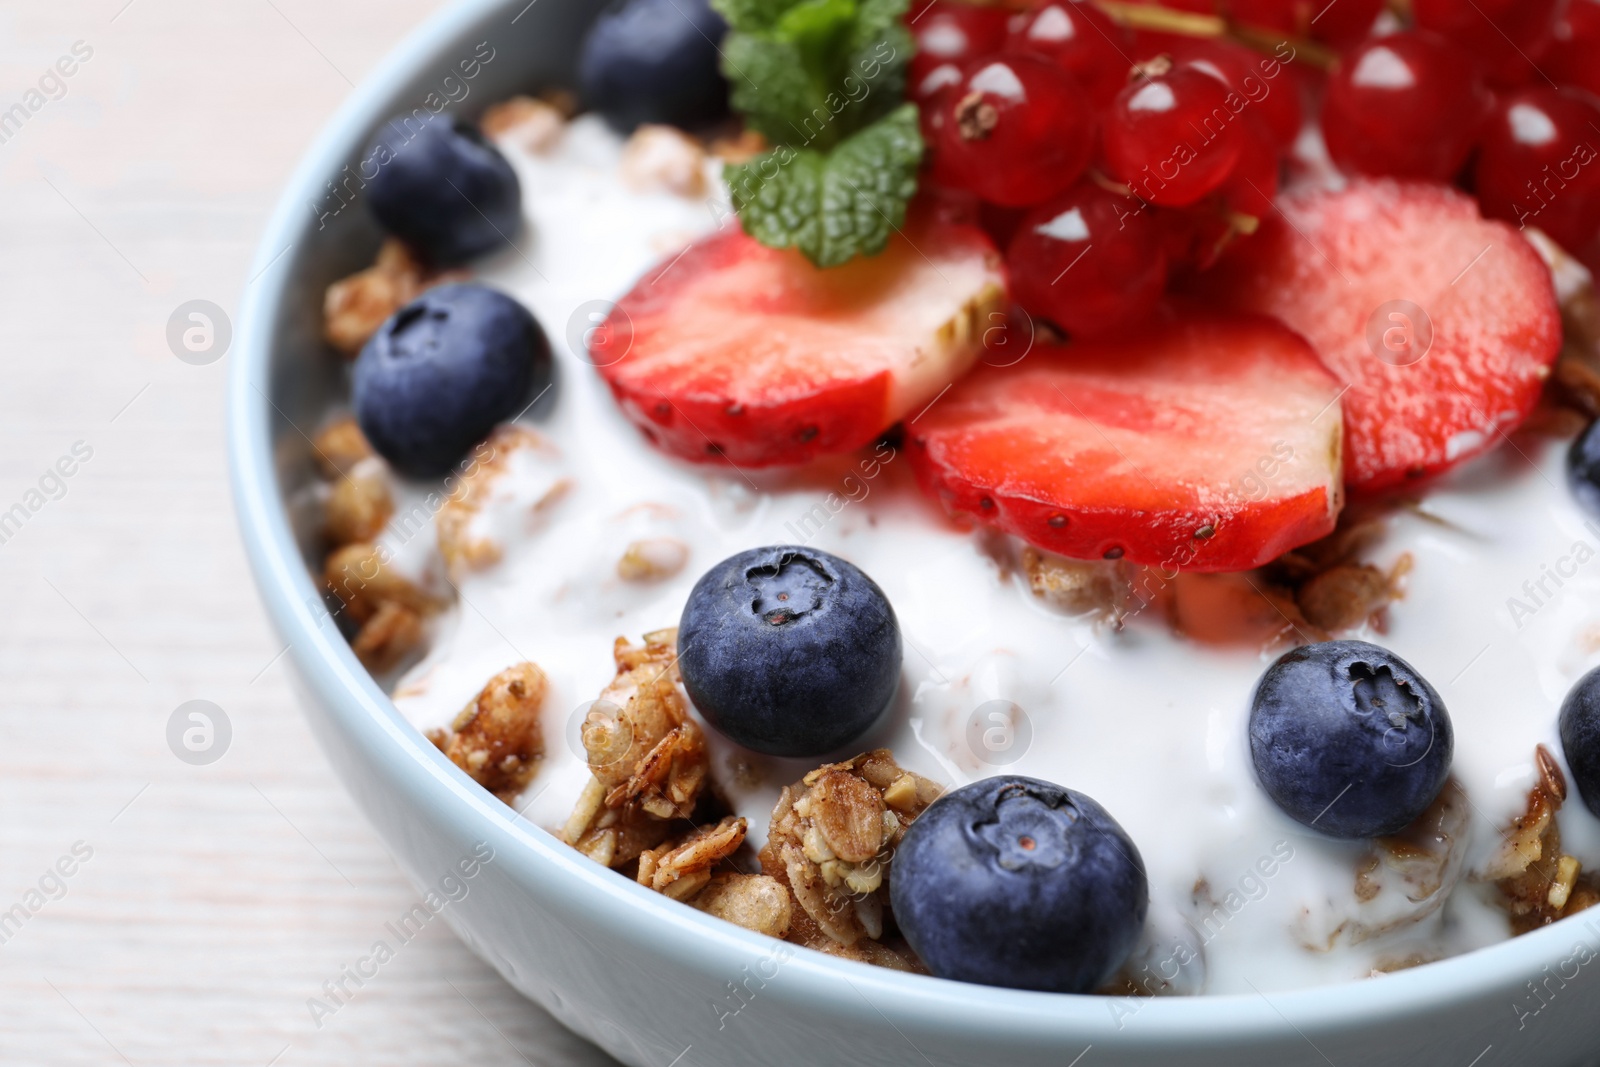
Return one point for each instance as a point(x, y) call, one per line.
point(214, 900)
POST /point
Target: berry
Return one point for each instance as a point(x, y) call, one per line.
point(1269, 92)
point(1345, 23)
point(1347, 738)
point(1580, 737)
point(789, 651)
point(1574, 43)
point(1499, 35)
point(1015, 882)
point(447, 192)
point(1171, 135)
point(654, 61)
point(1081, 40)
point(1201, 442)
point(1089, 260)
point(933, 112)
point(1444, 346)
point(750, 355)
point(1254, 183)
point(1583, 469)
point(1404, 105)
point(930, 87)
point(1017, 130)
point(1284, 16)
point(437, 377)
point(1537, 163)
point(950, 31)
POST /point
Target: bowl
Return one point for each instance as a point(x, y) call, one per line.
point(649, 980)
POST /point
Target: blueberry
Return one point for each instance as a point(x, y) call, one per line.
point(1583, 468)
point(788, 650)
point(1349, 739)
point(435, 378)
point(444, 190)
point(654, 61)
point(1580, 737)
point(1011, 881)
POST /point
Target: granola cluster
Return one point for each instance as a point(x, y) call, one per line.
point(831, 840)
point(464, 542)
point(387, 609)
point(1404, 878)
point(354, 307)
point(1311, 594)
point(1538, 883)
point(497, 738)
point(647, 758)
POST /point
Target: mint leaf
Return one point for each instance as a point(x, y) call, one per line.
point(836, 205)
point(782, 95)
point(824, 81)
point(751, 16)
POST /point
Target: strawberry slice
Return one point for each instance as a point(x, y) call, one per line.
point(1349, 269)
point(751, 355)
point(1206, 443)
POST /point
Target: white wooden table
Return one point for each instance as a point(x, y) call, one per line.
point(215, 900)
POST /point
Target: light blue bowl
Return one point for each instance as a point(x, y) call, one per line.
point(651, 981)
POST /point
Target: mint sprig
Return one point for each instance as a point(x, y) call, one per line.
point(824, 82)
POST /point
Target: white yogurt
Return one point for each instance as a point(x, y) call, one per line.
point(1151, 725)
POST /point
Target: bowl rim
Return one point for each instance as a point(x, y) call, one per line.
point(365, 713)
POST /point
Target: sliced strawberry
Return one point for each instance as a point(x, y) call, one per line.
point(751, 355)
point(1332, 272)
point(1205, 443)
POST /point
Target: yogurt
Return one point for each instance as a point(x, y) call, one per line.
point(1501, 613)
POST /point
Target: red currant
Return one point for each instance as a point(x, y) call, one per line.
point(1171, 135)
point(1082, 41)
point(1574, 46)
point(1016, 130)
point(1538, 166)
point(1254, 182)
point(1340, 23)
point(1285, 16)
point(1344, 23)
point(1500, 34)
point(931, 84)
point(1259, 79)
point(948, 31)
point(1405, 105)
point(1088, 261)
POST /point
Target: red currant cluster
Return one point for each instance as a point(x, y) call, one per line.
point(1115, 142)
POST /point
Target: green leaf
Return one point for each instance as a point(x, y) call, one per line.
point(776, 87)
point(768, 83)
point(837, 205)
point(751, 15)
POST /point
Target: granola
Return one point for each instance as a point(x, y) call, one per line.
point(531, 124)
point(354, 307)
point(497, 738)
point(389, 637)
point(665, 159)
point(1406, 877)
point(652, 559)
point(467, 540)
point(359, 504)
point(1077, 587)
point(754, 901)
point(361, 577)
point(647, 757)
point(681, 868)
point(1538, 883)
point(339, 447)
point(830, 841)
